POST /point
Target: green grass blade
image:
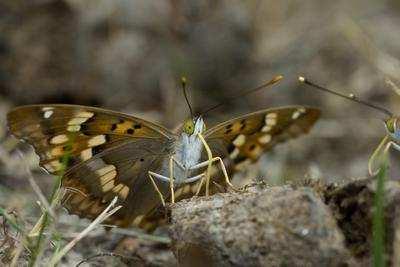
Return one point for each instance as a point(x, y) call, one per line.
point(378, 223)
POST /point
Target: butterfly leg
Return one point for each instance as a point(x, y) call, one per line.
point(227, 180)
point(388, 145)
point(151, 174)
point(172, 160)
point(171, 178)
point(385, 142)
point(209, 165)
point(223, 168)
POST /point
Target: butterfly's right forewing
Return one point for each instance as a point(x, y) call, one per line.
point(247, 137)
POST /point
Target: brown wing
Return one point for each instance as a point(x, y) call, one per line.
point(244, 139)
point(120, 171)
point(247, 137)
point(109, 154)
point(82, 132)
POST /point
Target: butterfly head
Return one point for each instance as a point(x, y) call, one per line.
point(194, 126)
point(392, 127)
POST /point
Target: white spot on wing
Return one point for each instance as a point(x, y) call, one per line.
point(80, 118)
point(107, 186)
point(234, 153)
point(266, 128)
point(59, 139)
point(86, 154)
point(264, 139)
point(77, 121)
point(270, 119)
point(298, 112)
point(73, 128)
point(106, 169)
point(47, 114)
point(107, 175)
point(239, 140)
point(85, 114)
point(97, 140)
point(122, 190)
point(123, 193)
point(295, 115)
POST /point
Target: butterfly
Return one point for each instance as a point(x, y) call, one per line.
point(391, 123)
point(111, 154)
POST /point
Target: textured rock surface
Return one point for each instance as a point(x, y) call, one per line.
point(277, 226)
point(352, 206)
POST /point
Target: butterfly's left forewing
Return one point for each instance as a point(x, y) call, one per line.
point(80, 131)
point(245, 138)
point(109, 154)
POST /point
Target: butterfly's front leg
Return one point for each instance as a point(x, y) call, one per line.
point(171, 178)
point(172, 160)
point(223, 168)
point(386, 144)
point(209, 165)
point(151, 176)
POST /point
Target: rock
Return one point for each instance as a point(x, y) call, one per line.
point(276, 226)
point(352, 207)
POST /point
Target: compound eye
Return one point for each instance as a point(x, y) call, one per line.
point(188, 128)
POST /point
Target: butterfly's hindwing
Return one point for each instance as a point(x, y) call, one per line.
point(122, 171)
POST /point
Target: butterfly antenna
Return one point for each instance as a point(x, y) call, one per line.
point(269, 83)
point(351, 97)
point(184, 88)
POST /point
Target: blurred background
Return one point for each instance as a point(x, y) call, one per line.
point(129, 55)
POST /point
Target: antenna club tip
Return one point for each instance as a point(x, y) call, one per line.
point(183, 80)
point(277, 78)
point(302, 79)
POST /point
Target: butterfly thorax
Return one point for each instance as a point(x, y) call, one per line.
point(188, 148)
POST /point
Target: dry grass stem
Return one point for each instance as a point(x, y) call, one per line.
point(102, 217)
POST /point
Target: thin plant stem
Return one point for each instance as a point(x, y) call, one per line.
point(378, 224)
point(36, 251)
point(102, 217)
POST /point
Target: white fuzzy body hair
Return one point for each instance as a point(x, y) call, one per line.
point(188, 151)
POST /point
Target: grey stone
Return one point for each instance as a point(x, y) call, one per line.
point(276, 226)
